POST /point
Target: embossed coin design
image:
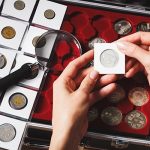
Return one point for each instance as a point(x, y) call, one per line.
point(138, 96)
point(111, 116)
point(7, 132)
point(19, 5)
point(95, 40)
point(40, 44)
point(118, 95)
point(18, 101)
point(3, 61)
point(143, 26)
point(8, 32)
point(123, 27)
point(92, 114)
point(49, 14)
point(135, 119)
point(109, 58)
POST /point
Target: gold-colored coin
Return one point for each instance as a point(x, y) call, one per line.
point(19, 5)
point(8, 32)
point(135, 119)
point(18, 101)
point(49, 14)
point(39, 43)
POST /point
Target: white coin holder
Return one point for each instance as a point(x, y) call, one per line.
point(24, 14)
point(23, 113)
point(99, 49)
point(19, 126)
point(10, 57)
point(27, 45)
point(20, 29)
point(54, 23)
point(30, 83)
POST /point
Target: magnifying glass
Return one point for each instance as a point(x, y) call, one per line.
point(53, 42)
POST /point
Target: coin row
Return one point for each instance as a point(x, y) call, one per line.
point(112, 116)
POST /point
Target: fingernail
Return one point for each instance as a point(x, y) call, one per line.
point(122, 46)
point(94, 75)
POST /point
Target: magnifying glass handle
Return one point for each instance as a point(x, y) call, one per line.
point(24, 72)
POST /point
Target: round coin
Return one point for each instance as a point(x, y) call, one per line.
point(49, 14)
point(92, 114)
point(109, 58)
point(135, 119)
point(7, 132)
point(111, 116)
point(19, 5)
point(18, 101)
point(138, 96)
point(123, 27)
point(8, 32)
point(95, 40)
point(143, 26)
point(3, 61)
point(118, 95)
point(41, 43)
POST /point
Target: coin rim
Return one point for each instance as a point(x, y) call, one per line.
point(12, 34)
point(14, 130)
point(19, 1)
point(13, 106)
point(52, 11)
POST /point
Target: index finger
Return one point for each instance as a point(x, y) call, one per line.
point(73, 68)
point(138, 38)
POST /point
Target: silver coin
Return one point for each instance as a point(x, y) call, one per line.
point(19, 5)
point(109, 58)
point(118, 95)
point(111, 116)
point(123, 27)
point(143, 26)
point(39, 44)
point(18, 101)
point(92, 114)
point(138, 96)
point(3, 61)
point(7, 132)
point(135, 119)
point(49, 14)
point(95, 40)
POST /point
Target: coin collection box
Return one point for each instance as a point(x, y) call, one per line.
point(114, 64)
point(7, 59)
point(18, 9)
point(11, 131)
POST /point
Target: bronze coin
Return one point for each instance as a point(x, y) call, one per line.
point(19, 5)
point(8, 32)
point(39, 43)
point(49, 14)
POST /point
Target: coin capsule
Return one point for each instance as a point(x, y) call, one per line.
point(19, 5)
point(138, 96)
point(136, 119)
point(122, 27)
point(8, 32)
point(18, 101)
point(109, 58)
point(7, 132)
point(49, 14)
point(3, 61)
point(111, 116)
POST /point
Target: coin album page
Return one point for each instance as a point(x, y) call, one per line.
point(13, 134)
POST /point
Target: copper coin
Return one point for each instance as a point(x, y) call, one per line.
point(39, 43)
point(123, 27)
point(19, 5)
point(138, 96)
point(92, 114)
point(7, 132)
point(8, 32)
point(3, 61)
point(18, 101)
point(143, 26)
point(111, 116)
point(49, 14)
point(118, 95)
point(95, 40)
point(136, 119)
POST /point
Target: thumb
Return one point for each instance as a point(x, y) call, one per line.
point(89, 82)
point(134, 51)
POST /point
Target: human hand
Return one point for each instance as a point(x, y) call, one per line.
point(137, 46)
point(73, 93)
